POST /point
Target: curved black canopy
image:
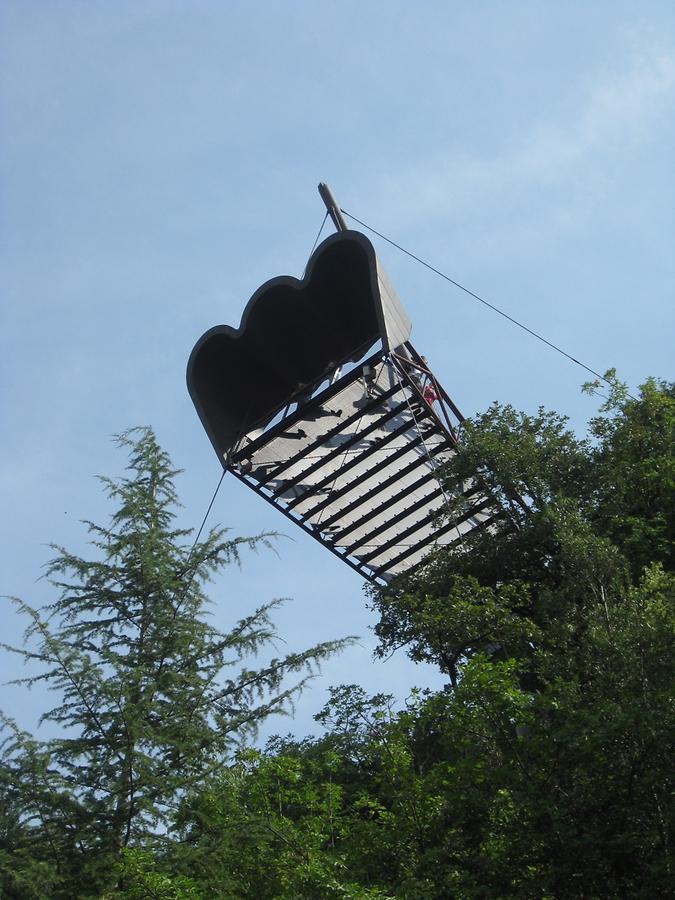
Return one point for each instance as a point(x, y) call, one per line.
point(293, 334)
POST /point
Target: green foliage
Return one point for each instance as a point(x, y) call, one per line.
point(635, 463)
point(487, 790)
point(482, 617)
point(152, 698)
point(543, 769)
point(139, 879)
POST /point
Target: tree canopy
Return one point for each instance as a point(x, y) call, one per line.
point(153, 699)
point(543, 768)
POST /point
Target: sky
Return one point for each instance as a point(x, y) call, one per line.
point(159, 161)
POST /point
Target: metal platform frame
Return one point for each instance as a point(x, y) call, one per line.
point(353, 459)
point(304, 485)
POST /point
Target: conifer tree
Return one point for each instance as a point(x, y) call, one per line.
point(152, 698)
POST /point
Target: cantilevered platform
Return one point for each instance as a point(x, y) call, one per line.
point(357, 468)
point(320, 404)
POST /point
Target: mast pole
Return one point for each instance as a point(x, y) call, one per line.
point(333, 207)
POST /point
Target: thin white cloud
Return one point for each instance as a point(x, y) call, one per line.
point(619, 111)
point(616, 114)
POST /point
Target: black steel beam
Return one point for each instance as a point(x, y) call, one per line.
point(362, 570)
point(378, 510)
point(382, 485)
point(397, 539)
point(432, 537)
point(343, 448)
point(404, 514)
point(357, 460)
point(311, 404)
point(416, 527)
point(355, 417)
point(388, 460)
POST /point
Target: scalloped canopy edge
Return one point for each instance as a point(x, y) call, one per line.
point(293, 334)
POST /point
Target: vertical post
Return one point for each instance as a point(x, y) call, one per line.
point(334, 210)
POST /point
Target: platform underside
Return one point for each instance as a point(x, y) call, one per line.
point(357, 467)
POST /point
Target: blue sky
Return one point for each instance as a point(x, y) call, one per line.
point(159, 161)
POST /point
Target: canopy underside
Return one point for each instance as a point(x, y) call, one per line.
point(357, 467)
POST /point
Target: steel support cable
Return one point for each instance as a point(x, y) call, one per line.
point(480, 299)
point(316, 241)
point(187, 570)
